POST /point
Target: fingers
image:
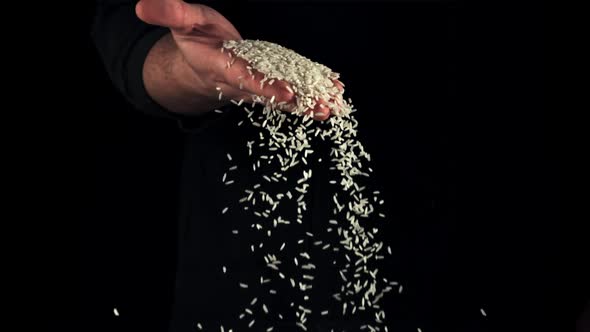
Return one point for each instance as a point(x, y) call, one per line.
point(339, 85)
point(173, 14)
point(166, 13)
point(321, 111)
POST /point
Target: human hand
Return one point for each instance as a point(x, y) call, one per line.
point(198, 32)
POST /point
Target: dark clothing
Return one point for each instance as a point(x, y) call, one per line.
point(448, 275)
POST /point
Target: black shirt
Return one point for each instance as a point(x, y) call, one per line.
point(450, 269)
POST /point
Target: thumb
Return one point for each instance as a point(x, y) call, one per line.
point(173, 14)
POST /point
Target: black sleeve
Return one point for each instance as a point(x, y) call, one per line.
point(123, 42)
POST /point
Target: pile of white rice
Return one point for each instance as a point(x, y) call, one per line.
point(286, 143)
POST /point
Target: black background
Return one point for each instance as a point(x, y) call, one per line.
point(451, 104)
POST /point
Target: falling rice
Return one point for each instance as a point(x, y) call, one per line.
point(286, 141)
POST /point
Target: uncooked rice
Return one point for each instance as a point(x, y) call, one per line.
point(285, 143)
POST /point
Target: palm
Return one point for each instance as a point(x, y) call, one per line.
point(202, 53)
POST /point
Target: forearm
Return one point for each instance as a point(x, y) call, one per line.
point(171, 82)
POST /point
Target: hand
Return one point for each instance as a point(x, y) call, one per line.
point(197, 33)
